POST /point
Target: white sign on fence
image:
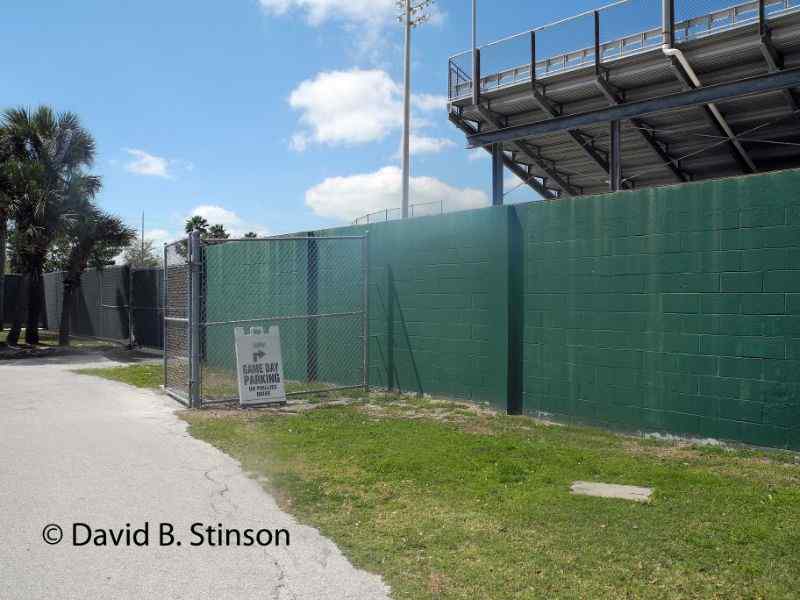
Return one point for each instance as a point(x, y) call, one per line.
point(260, 366)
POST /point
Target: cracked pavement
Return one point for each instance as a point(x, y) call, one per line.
point(81, 449)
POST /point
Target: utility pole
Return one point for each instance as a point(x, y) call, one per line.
point(141, 256)
point(413, 15)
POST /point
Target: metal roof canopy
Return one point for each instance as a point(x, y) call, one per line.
point(582, 129)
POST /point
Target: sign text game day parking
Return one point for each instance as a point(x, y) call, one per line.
point(260, 366)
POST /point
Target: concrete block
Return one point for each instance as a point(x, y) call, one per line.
point(609, 490)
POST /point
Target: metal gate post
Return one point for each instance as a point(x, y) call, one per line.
point(131, 316)
point(164, 314)
point(365, 318)
point(194, 319)
point(99, 303)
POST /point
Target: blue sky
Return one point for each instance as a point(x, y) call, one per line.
point(268, 115)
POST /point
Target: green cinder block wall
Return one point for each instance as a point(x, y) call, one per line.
point(439, 304)
point(673, 309)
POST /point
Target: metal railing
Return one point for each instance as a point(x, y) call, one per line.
point(694, 20)
point(424, 209)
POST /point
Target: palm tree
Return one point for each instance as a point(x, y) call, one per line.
point(251, 235)
point(197, 223)
point(48, 152)
point(95, 234)
point(217, 232)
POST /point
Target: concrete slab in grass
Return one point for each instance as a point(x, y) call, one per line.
point(608, 490)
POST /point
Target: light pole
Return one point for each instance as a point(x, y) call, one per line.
point(474, 33)
point(412, 16)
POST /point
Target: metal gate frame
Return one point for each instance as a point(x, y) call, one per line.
point(189, 244)
point(195, 325)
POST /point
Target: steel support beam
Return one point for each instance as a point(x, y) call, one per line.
point(668, 22)
point(668, 31)
point(614, 98)
point(631, 110)
point(615, 158)
point(533, 155)
point(476, 77)
point(771, 55)
point(644, 131)
point(553, 110)
point(716, 121)
point(540, 187)
point(497, 175)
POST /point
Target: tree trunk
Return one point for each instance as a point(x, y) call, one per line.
point(35, 293)
point(19, 304)
point(72, 282)
point(3, 241)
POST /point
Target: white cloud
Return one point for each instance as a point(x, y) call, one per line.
point(429, 102)
point(299, 142)
point(233, 223)
point(365, 21)
point(159, 237)
point(347, 107)
point(347, 198)
point(150, 165)
point(420, 144)
point(359, 107)
point(147, 164)
point(477, 154)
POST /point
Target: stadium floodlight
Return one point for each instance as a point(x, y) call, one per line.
point(413, 15)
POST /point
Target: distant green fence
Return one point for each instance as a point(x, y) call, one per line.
point(10, 293)
point(115, 303)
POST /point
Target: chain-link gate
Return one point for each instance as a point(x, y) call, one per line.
point(176, 303)
point(314, 289)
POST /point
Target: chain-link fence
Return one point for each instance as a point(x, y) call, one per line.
point(176, 320)
point(314, 289)
point(424, 209)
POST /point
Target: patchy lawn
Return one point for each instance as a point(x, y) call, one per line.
point(446, 500)
point(146, 375)
point(216, 387)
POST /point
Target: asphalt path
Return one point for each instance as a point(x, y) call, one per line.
point(78, 449)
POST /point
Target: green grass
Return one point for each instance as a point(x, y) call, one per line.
point(151, 375)
point(147, 375)
point(447, 501)
point(50, 339)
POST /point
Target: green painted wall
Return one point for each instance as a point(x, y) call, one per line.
point(438, 290)
point(673, 309)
